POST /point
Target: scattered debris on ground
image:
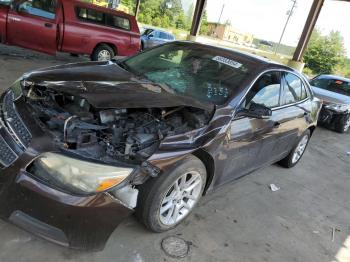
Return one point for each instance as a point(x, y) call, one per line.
point(274, 188)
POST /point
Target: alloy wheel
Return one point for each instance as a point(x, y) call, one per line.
point(299, 150)
point(104, 55)
point(180, 198)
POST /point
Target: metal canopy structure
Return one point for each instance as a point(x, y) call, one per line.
point(197, 17)
point(137, 8)
point(308, 28)
point(305, 36)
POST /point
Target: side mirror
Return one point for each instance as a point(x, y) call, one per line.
point(150, 36)
point(256, 111)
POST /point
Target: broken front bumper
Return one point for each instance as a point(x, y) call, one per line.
point(82, 222)
point(77, 222)
point(328, 117)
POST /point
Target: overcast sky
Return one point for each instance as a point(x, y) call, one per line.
point(266, 18)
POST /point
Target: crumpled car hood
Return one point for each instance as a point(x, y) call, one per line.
point(107, 85)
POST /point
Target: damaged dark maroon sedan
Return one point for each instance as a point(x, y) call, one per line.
point(84, 145)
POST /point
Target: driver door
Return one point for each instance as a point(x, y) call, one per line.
point(33, 25)
point(251, 141)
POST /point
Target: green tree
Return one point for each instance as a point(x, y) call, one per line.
point(204, 30)
point(189, 16)
point(325, 52)
point(164, 13)
point(149, 10)
point(130, 4)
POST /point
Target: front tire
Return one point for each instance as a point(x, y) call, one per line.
point(103, 53)
point(164, 202)
point(342, 124)
point(297, 152)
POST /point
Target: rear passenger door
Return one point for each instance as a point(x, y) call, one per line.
point(293, 115)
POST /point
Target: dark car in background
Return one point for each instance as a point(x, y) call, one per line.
point(334, 91)
point(153, 37)
point(71, 26)
point(85, 145)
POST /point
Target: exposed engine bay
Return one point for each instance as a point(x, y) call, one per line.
point(129, 135)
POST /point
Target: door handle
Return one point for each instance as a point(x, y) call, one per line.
point(48, 25)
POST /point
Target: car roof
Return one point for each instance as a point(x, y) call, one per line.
point(334, 77)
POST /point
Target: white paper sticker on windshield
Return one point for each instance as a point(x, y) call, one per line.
point(227, 61)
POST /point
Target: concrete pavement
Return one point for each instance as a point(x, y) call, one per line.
point(244, 221)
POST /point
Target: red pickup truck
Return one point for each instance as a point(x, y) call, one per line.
point(68, 26)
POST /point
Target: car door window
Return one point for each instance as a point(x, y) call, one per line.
point(155, 34)
point(293, 90)
point(41, 8)
point(266, 91)
point(163, 35)
point(334, 85)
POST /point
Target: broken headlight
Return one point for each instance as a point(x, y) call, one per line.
point(338, 107)
point(78, 176)
point(16, 89)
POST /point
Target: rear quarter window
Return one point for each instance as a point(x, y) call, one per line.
point(90, 15)
point(294, 89)
point(118, 22)
point(97, 17)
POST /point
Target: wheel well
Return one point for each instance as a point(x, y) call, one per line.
point(312, 129)
point(115, 49)
point(209, 164)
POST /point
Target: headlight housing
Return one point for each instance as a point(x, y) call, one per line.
point(18, 85)
point(16, 88)
point(77, 176)
point(338, 107)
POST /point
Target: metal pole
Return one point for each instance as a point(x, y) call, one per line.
point(285, 26)
point(137, 8)
point(197, 17)
point(308, 28)
point(222, 10)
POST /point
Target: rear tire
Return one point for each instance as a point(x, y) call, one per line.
point(159, 200)
point(297, 152)
point(103, 52)
point(342, 124)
